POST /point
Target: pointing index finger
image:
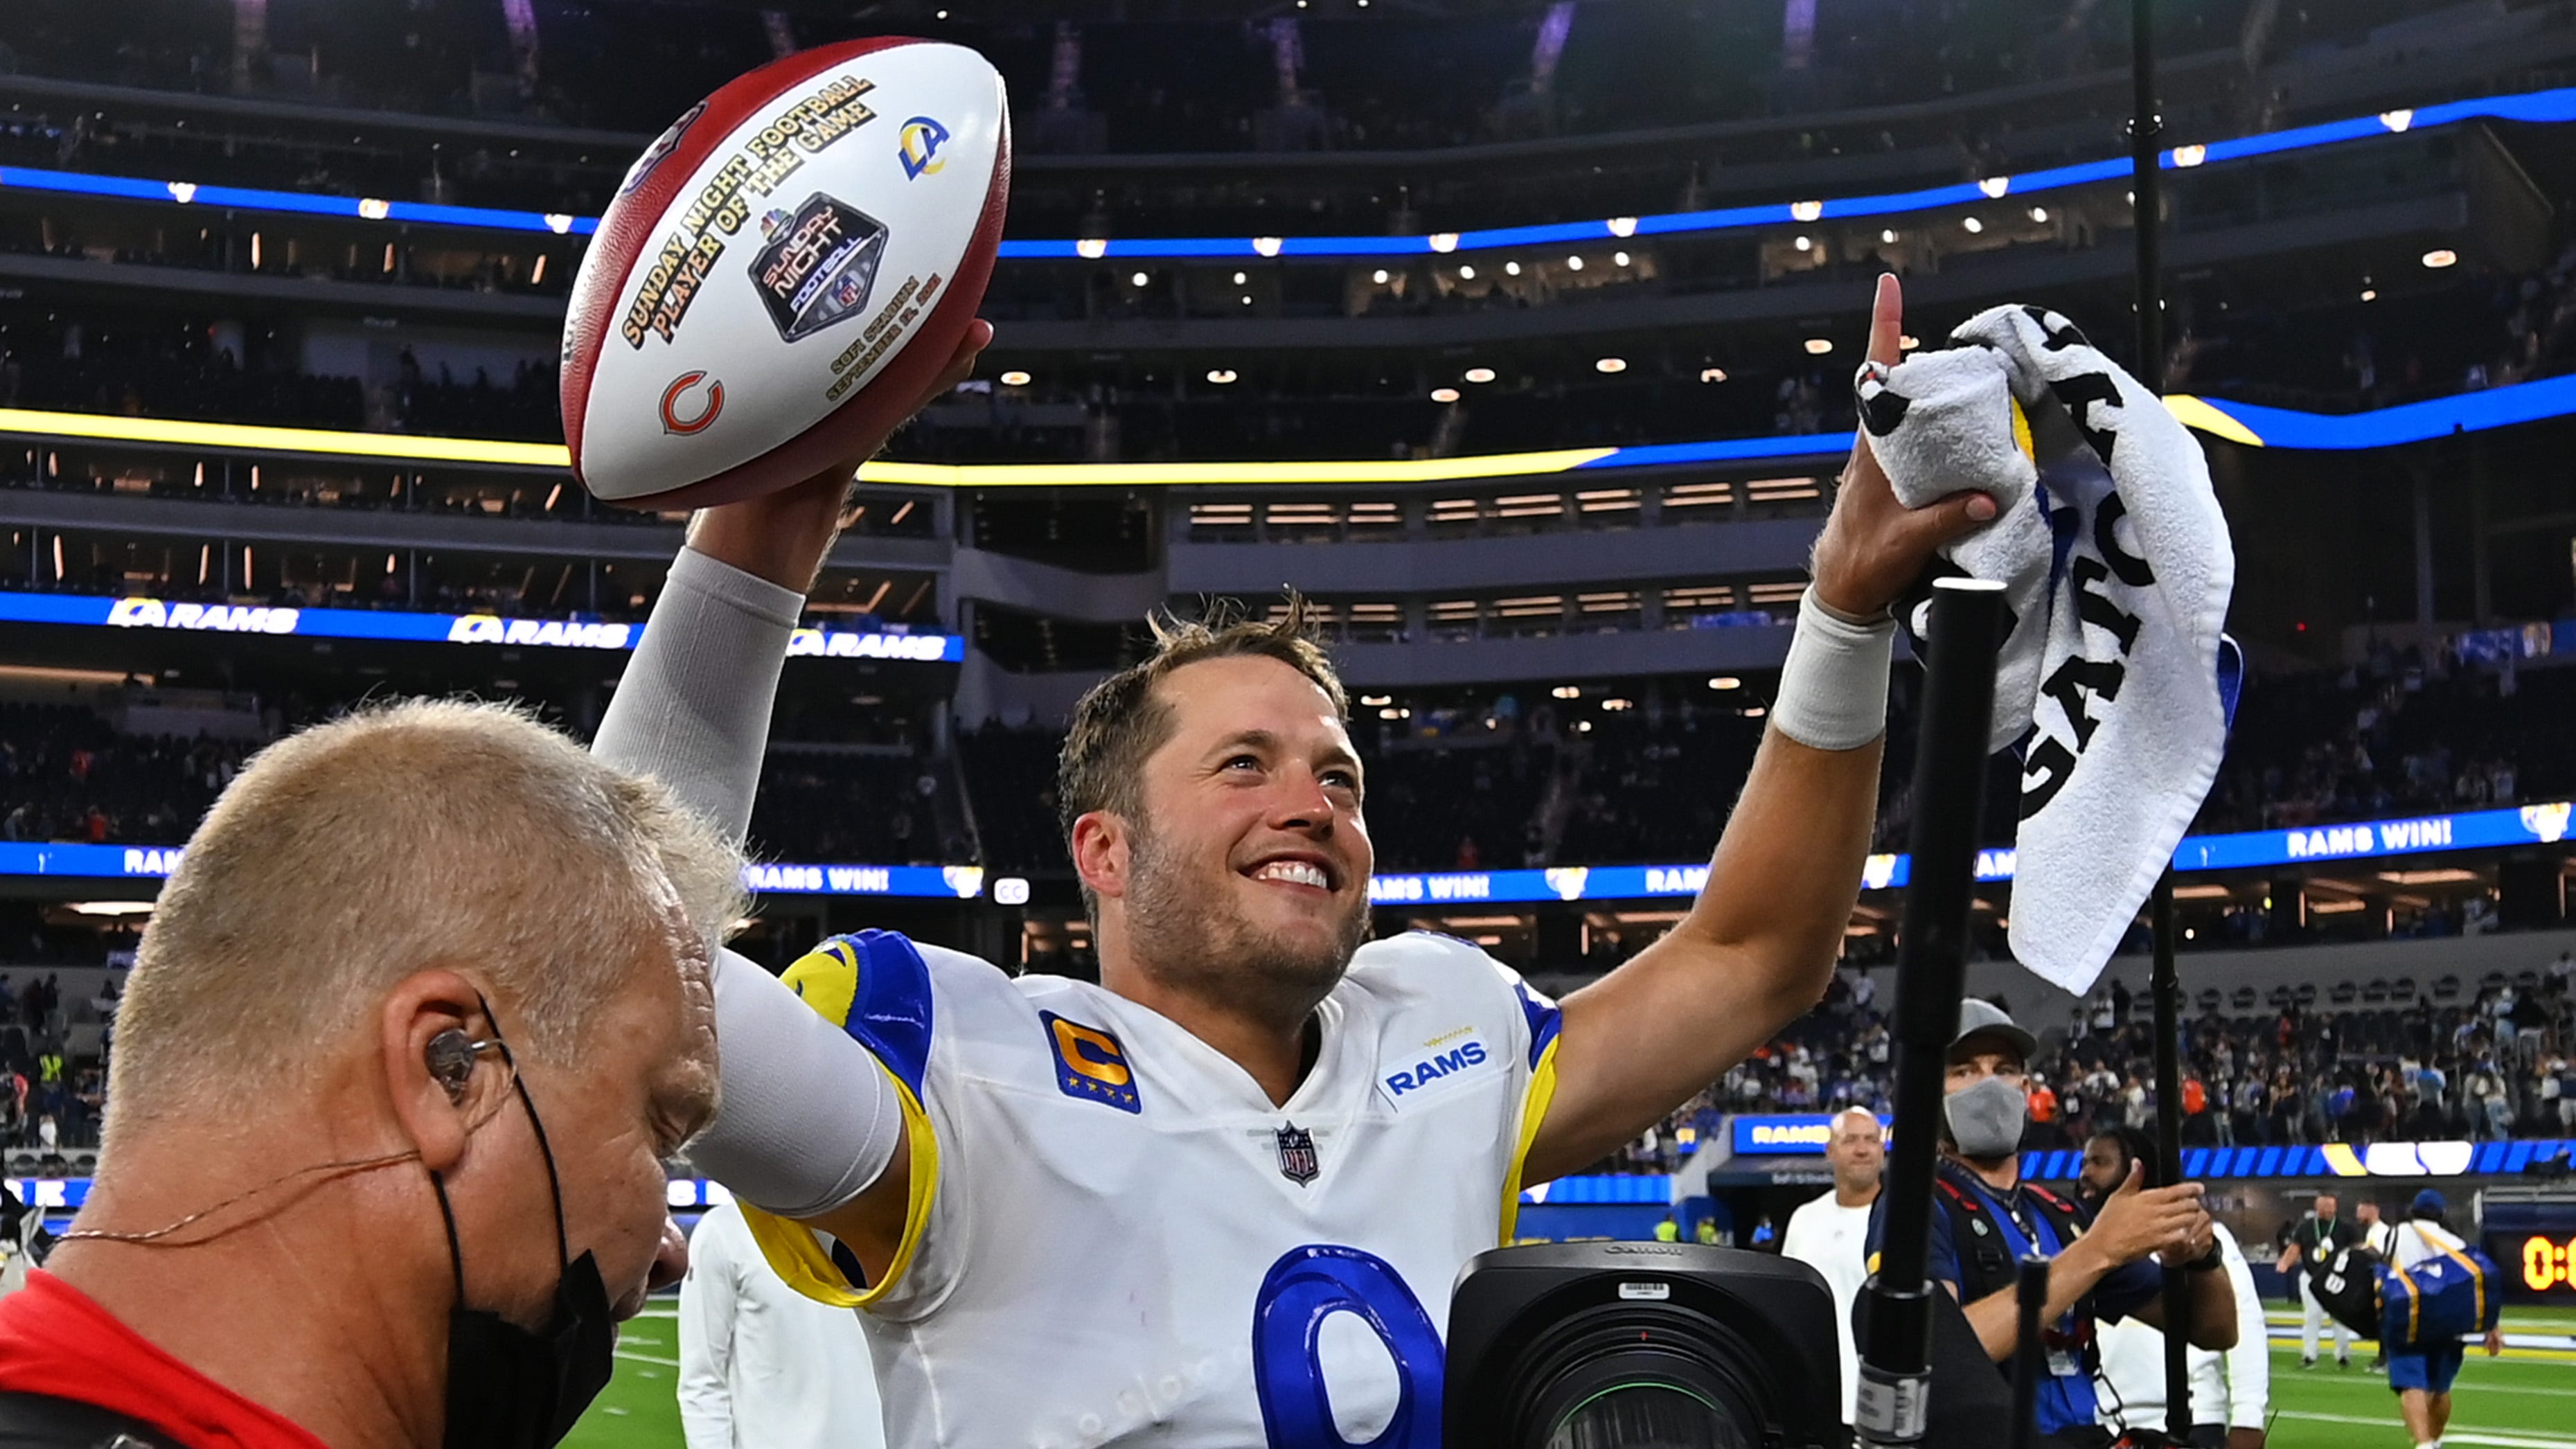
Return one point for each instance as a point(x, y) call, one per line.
point(1887, 320)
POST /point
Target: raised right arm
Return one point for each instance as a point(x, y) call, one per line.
point(809, 1128)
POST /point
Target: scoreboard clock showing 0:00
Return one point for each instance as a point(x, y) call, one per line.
point(2549, 1263)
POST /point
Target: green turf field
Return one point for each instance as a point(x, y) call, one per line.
point(2508, 1403)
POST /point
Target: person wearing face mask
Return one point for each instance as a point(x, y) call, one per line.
point(416, 1021)
point(2102, 1265)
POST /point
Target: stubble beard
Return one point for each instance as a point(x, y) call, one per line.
point(1184, 936)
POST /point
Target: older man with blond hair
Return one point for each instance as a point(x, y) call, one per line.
point(414, 1025)
point(1830, 1232)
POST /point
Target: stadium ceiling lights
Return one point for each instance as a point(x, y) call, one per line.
point(1610, 364)
point(1015, 378)
point(1819, 346)
point(1444, 394)
point(1221, 375)
point(1478, 374)
point(2540, 107)
point(2441, 257)
point(1712, 374)
point(1726, 681)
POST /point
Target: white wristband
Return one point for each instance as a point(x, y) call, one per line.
point(1833, 688)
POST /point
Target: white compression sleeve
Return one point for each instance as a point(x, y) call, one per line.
point(808, 1119)
point(693, 707)
point(1833, 687)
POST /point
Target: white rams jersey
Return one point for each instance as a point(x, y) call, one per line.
point(1116, 1238)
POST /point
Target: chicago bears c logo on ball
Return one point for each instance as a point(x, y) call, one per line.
point(673, 404)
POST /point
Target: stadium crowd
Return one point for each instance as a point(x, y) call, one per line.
point(1596, 780)
point(2454, 1061)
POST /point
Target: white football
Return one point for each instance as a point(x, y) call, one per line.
point(784, 272)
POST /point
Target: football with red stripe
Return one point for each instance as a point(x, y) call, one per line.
point(784, 271)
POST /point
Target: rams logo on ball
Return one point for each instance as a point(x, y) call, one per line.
point(1090, 1064)
point(919, 147)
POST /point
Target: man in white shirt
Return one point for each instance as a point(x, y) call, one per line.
point(762, 1366)
point(2422, 1373)
point(2377, 1233)
point(2230, 1391)
point(1831, 1233)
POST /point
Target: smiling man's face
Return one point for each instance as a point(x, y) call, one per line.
point(1248, 872)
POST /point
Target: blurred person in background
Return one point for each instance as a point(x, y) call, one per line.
point(2422, 1373)
point(2231, 1392)
point(762, 1366)
point(413, 1029)
point(1831, 1232)
point(2317, 1238)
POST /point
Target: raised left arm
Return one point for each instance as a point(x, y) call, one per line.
point(1758, 945)
point(1755, 951)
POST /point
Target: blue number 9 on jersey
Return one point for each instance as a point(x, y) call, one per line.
point(1309, 1285)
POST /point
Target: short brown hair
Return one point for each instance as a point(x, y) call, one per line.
point(404, 835)
point(1121, 721)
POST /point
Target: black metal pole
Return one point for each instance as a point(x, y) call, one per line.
point(2030, 1360)
point(2146, 142)
point(2164, 984)
point(1949, 785)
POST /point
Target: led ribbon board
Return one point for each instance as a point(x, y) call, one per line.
point(2538, 107)
point(155, 862)
point(398, 626)
point(2334, 1159)
point(2371, 839)
point(2242, 423)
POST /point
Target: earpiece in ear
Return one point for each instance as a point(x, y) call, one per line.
point(450, 1059)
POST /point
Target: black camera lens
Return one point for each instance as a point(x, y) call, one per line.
point(1641, 1346)
point(1637, 1377)
point(1647, 1413)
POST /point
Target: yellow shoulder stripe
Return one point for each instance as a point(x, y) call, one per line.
point(796, 1251)
point(1534, 1105)
point(827, 979)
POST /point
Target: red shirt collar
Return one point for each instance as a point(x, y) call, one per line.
point(54, 1340)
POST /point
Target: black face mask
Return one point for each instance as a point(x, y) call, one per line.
point(508, 1387)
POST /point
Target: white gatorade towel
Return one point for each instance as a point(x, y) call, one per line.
point(2115, 683)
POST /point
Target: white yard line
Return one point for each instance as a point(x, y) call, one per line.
point(652, 1358)
point(2496, 1439)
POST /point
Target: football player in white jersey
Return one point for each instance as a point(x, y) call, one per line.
point(1262, 1148)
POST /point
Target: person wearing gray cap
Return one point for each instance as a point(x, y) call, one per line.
point(2102, 1265)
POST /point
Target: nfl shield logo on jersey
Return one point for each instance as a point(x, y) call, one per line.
point(1297, 1160)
